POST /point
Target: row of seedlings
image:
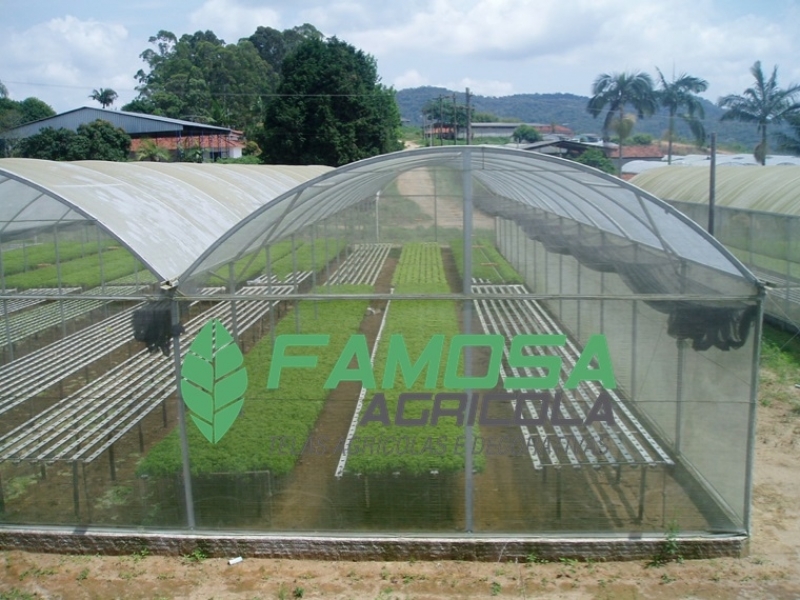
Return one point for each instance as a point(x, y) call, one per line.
point(399, 468)
point(240, 480)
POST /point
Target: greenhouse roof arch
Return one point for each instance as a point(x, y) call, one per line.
point(771, 189)
point(166, 214)
point(537, 188)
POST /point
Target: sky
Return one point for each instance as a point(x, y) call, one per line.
point(60, 51)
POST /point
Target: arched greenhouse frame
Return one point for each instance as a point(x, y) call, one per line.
point(452, 352)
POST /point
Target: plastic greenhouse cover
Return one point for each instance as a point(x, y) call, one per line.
point(523, 186)
point(166, 214)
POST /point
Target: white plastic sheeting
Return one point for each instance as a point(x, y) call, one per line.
point(166, 214)
point(522, 185)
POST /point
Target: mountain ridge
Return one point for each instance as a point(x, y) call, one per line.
point(570, 111)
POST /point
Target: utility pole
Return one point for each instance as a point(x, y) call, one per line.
point(441, 120)
point(469, 121)
point(455, 121)
point(712, 184)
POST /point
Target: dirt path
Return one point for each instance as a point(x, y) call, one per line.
point(419, 185)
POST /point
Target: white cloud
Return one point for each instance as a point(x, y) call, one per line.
point(70, 55)
point(409, 79)
point(230, 20)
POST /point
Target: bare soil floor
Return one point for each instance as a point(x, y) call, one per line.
point(771, 570)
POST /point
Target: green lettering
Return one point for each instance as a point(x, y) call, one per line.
point(356, 348)
point(596, 349)
point(281, 360)
point(397, 357)
point(453, 380)
point(548, 364)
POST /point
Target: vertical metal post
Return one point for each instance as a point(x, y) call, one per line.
point(294, 272)
point(232, 291)
point(712, 184)
point(751, 423)
point(377, 217)
point(314, 266)
point(269, 291)
point(100, 260)
point(327, 261)
point(59, 285)
point(681, 365)
point(435, 205)
point(467, 289)
point(76, 497)
point(187, 471)
point(6, 318)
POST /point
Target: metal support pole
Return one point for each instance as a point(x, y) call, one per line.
point(314, 266)
point(712, 184)
point(751, 418)
point(187, 471)
point(269, 291)
point(232, 291)
point(642, 489)
point(377, 217)
point(111, 465)
point(6, 318)
point(294, 272)
point(59, 285)
point(76, 497)
point(467, 289)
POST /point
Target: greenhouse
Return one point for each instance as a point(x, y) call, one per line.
point(756, 216)
point(435, 346)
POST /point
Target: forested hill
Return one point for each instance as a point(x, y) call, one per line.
point(568, 110)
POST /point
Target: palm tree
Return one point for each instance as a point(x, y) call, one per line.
point(105, 96)
point(150, 150)
point(763, 104)
point(618, 90)
point(680, 93)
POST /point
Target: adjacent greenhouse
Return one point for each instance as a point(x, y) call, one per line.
point(452, 344)
point(756, 216)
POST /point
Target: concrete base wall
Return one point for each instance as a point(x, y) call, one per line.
point(366, 548)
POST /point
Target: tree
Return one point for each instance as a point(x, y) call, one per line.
point(49, 144)
point(201, 78)
point(330, 108)
point(273, 46)
point(681, 93)
point(618, 90)
point(98, 140)
point(150, 150)
point(763, 104)
point(526, 133)
point(3, 90)
point(105, 96)
point(594, 157)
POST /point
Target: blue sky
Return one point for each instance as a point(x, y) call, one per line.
point(61, 51)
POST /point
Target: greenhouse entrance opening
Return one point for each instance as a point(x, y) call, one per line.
point(447, 343)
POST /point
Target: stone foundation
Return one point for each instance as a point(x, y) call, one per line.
point(366, 548)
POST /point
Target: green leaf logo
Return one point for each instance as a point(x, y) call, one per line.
point(213, 380)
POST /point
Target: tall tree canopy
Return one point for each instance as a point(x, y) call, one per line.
point(98, 140)
point(681, 93)
point(763, 104)
point(200, 78)
point(616, 91)
point(331, 108)
point(273, 46)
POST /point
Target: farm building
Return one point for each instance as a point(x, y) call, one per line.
point(756, 216)
point(177, 136)
point(454, 351)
